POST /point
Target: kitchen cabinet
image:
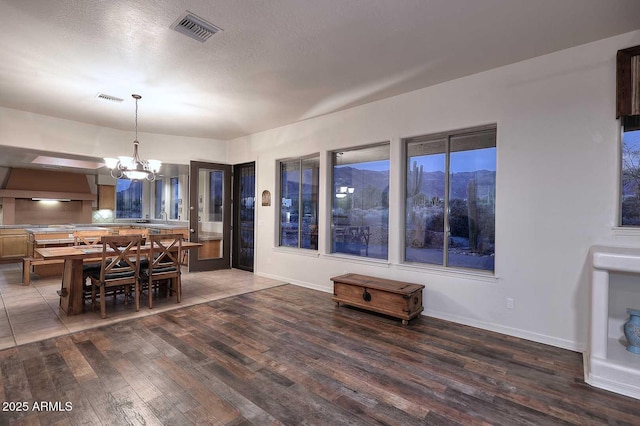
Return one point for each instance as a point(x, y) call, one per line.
point(106, 197)
point(13, 244)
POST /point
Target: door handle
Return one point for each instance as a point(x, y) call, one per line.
point(192, 230)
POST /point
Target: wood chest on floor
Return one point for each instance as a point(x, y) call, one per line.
point(394, 298)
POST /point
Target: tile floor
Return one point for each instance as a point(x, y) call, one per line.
point(31, 313)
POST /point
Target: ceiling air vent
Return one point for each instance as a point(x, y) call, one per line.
point(194, 27)
point(106, 97)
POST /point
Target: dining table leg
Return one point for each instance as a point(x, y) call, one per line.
point(71, 297)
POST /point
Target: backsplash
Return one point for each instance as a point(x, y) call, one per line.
point(102, 216)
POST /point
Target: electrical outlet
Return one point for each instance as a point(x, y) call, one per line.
point(510, 303)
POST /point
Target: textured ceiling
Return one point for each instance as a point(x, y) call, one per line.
point(275, 62)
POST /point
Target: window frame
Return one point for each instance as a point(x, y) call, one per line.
point(174, 197)
point(158, 198)
point(279, 199)
point(634, 125)
point(333, 156)
point(448, 135)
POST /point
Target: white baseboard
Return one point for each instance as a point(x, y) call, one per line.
point(510, 331)
point(613, 375)
point(324, 289)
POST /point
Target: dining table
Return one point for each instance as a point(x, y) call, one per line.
point(71, 292)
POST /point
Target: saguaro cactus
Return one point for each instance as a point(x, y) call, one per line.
point(472, 213)
point(414, 180)
point(414, 184)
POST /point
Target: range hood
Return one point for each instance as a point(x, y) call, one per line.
point(47, 184)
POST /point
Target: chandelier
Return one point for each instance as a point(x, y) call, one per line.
point(133, 167)
point(341, 190)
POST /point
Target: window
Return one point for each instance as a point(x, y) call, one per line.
point(128, 199)
point(174, 197)
point(159, 199)
point(360, 210)
point(450, 199)
point(630, 185)
point(216, 179)
point(299, 202)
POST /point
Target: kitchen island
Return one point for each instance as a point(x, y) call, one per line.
point(51, 236)
point(23, 240)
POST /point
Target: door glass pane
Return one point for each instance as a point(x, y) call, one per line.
point(424, 241)
point(472, 191)
point(210, 213)
point(246, 216)
point(215, 196)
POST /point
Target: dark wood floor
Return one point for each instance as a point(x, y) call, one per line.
point(288, 355)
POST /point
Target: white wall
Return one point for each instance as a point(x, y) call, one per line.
point(28, 130)
point(557, 183)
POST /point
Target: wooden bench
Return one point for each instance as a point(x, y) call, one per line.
point(394, 298)
point(28, 262)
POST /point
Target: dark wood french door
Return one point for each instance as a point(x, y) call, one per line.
point(210, 216)
point(244, 198)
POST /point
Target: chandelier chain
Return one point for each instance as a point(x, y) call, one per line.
point(137, 118)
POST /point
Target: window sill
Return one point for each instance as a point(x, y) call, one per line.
point(382, 263)
point(297, 251)
point(626, 231)
point(449, 272)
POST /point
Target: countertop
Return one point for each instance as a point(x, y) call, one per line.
point(58, 229)
point(95, 226)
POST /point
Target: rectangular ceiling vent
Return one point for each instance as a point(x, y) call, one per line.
point(194, 27)
point(106, 97)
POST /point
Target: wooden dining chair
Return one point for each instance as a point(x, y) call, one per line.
point(90, 238)
point(164, 265)
point(119, 268)
point(144, 233)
